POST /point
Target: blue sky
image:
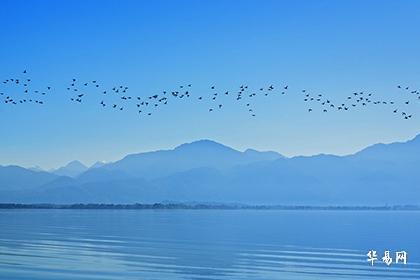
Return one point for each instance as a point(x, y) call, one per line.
point(328, 47)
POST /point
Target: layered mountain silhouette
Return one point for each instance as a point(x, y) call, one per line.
point(203, 153)
point(207, 171)
point(72, 169)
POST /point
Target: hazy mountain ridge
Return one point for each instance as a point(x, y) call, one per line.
point(16, 178)
point(208, 171)
point(405, 151)
point(202, 153)
point(72, 169)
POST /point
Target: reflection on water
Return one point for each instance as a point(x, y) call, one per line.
point(205, 244)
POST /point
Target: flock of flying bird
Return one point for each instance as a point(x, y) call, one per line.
point(23, 92)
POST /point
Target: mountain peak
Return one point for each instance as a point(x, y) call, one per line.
point(75, 164)
point(266, 155)
point(71, 169)
point(36, 168)
point(204, 144)
point(97, 164)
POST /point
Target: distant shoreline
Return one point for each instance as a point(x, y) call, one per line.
point(180, 206)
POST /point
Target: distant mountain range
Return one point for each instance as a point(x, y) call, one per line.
point(207, 171)
point(72, 169)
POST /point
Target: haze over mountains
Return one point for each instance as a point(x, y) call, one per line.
point(206, 171)
point(72, 169)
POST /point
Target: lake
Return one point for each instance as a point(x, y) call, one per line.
point(206, 244)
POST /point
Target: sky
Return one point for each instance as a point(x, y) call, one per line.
point(332, 48)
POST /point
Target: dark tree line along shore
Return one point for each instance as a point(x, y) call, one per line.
point(138, 206)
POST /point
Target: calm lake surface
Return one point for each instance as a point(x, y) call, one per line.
point(206, 244)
